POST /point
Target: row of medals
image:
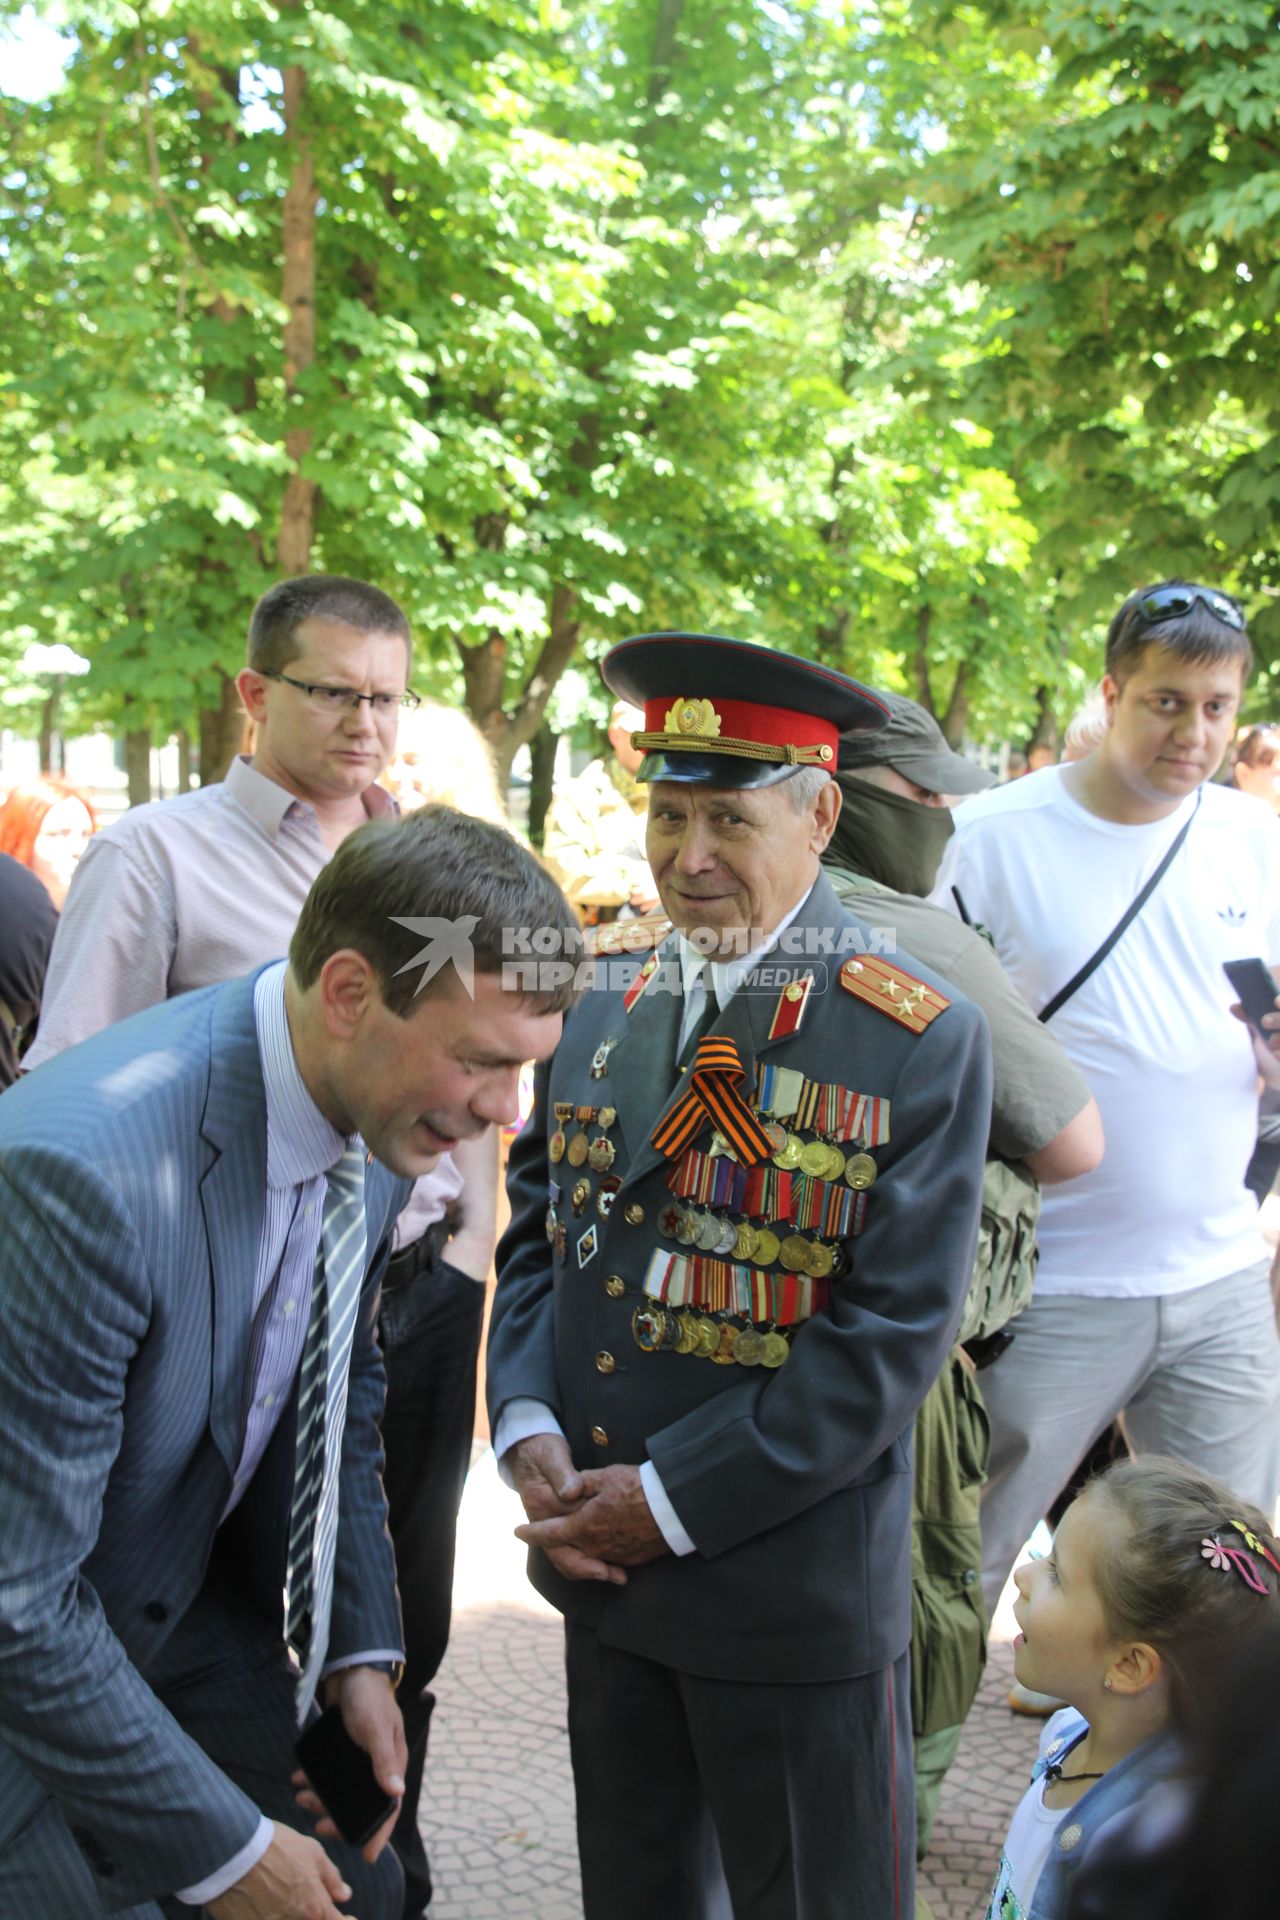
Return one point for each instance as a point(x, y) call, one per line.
point(820, 1159)
point(711, 1233)
point(687, 1330)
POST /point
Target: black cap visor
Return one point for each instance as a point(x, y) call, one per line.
point(728, 770)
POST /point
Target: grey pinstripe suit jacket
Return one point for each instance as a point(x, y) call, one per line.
point(132, 1186)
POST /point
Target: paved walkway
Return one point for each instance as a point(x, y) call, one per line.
point(498, 1810)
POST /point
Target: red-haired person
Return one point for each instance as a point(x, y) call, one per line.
point(47, 824)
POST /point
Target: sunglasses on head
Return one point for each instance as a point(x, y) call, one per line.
point(1170, 603)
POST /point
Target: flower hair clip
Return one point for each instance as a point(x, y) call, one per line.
point(1226, 1559)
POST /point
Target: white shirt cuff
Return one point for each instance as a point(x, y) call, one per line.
point(665, 1515)
point(520, 1420)
point(374, 1657)
point(216, 1884)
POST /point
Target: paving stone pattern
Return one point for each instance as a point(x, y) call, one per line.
point(498, 1810)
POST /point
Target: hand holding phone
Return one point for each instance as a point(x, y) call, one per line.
point(1255, 984)
point(341, 1773)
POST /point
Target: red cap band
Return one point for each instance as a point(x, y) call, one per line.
point(698, 725)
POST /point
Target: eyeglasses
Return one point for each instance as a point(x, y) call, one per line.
point(1170, 603)
point(340, 699)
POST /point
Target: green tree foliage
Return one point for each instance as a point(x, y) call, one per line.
point(1121, 215)
point(908, 338)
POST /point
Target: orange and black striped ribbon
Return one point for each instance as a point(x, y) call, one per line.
point(712, 1094)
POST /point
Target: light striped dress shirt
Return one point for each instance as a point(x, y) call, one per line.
point(301, 1147)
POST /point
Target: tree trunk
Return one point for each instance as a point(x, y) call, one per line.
point(50, 742)
point(184, 760)
point(920, 659)
point(483, 678)
point(956, 718)
point(222, 733)
point(137, 764)
point(297, 518)
point(557, 651)
point(665, 33)
point(1045, 732)
point(542, 756)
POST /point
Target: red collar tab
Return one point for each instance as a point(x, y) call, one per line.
point(790, 1009)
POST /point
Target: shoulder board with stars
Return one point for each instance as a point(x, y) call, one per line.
point(904, 998)
point(641, 935)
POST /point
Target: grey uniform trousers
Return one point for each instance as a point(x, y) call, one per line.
point(700, 1799)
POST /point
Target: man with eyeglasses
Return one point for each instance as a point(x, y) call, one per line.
point(199, 889)
point(1151, 1295)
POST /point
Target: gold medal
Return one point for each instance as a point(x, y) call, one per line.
point(555, 1146)
point(794, 1253)
point(579, 1197)
point(707, 1333)
point(773, 1350)
point(687, 1341)
point(860, 1171)
point(767, 1247)
point(788, 1158)
point(814, 1160)
point(577, 1150)
point(669, 1221)
point(687, 1231)
point(822, 1259)
point(723, 1355)
point(749, 1347)
point(835, 1162)
point(601, 1154)
point(745, 1241)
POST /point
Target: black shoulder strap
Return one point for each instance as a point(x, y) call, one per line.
point(1126, 920)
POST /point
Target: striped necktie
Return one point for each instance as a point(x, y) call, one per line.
point(322, 1408)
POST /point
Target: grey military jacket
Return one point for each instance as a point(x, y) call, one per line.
point(794, 1482)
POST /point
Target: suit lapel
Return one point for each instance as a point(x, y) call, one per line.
point(233, 1195)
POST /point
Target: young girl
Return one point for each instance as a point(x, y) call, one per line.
point(1158, 1580)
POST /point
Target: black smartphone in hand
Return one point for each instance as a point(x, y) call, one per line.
point(341, 1772)
point(1255, 988)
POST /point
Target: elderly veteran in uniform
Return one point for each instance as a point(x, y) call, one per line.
point(743, 1221)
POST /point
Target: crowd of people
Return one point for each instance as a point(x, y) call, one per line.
point(887, 1149)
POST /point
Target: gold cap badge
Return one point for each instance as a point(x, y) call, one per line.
point(693, 717)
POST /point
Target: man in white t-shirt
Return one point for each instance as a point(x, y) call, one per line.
point(1152, 1291)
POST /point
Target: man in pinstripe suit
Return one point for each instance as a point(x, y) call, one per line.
point(162, 1188)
